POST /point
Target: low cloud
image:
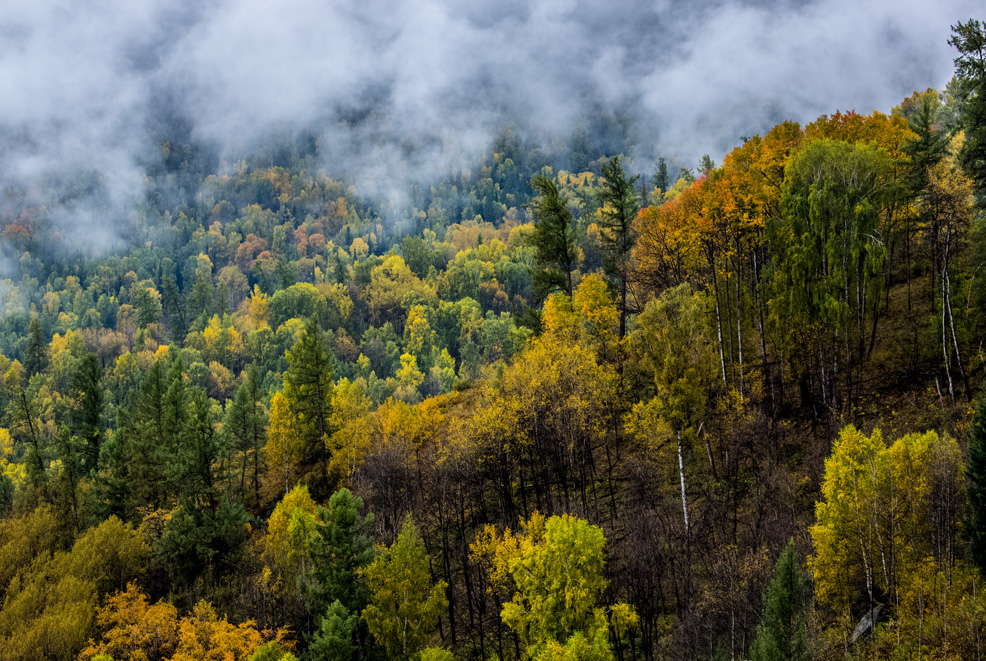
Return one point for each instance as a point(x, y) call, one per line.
point(402, 91)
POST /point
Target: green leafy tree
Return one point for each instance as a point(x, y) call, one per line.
point(619, 210)
point(674, 342)
point(271, 651)
point(553, 238)
point(556, 566)
point(828, 259)
point(404, 605)
point(25, 425)
point(781, 634)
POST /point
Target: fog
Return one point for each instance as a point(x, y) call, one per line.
point(404, 91)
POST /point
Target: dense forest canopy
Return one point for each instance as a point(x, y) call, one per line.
point(553, 396)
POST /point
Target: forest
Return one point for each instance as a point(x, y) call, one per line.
point(555, 406)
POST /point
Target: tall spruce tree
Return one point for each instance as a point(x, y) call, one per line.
point(927, 148)
point(661, 180)
point(619, 209)
point(308, 391)
point(36, 354)
point(85, 386)
point(781, 633)
point(245, 428)
point(969, 39)
point(553, 239)
point(975, 485)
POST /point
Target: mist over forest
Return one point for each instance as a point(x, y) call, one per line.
point(386, 94)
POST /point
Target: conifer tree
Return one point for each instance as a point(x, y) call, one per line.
point(661, 180)
point(245, 427)
point(781, 633)
point(36, 354)
point(553, 238)
point(969, 39)
point(976, 483)
point(339, 547)
point(308, 391)
point(86, 387)
point(925, 150)
point(619, 209)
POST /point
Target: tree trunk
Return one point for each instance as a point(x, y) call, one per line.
point(681, 475)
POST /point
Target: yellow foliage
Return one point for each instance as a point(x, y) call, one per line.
point(285, 446)
point(136, 630)
point(878, 500)
point(282, 553)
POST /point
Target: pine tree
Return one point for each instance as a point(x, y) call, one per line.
point(36, 354)
point(928, 147)
point(619, 209)
point(976, 483)
point(244, 428)
point(85, 386)
point(781, 633)
point(969, 39)
point(308, 390)
point(176, 310)
point(661, 180)
point(553, 238)
point(339, 548)
point(333, 641)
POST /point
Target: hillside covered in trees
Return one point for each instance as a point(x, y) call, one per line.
point(556, 405)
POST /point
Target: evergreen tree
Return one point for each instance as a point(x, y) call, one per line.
point(197, 453)
point(707, 165)
point(661, 180)
point(112, 485)
point(308, 391)
point(619, 210)
point(925, 150)
point(969, 39)
point(148, 308)
point(202, 297)
point(36, 354)
point(976, 483)
point(69, 449)
point(223, 305)
point(245, 427)
point(85, 386)
point(339, 547)
point(553, 239)
point(781, 633)
point(333, 641)
point(144, 429)
point(176, 311)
